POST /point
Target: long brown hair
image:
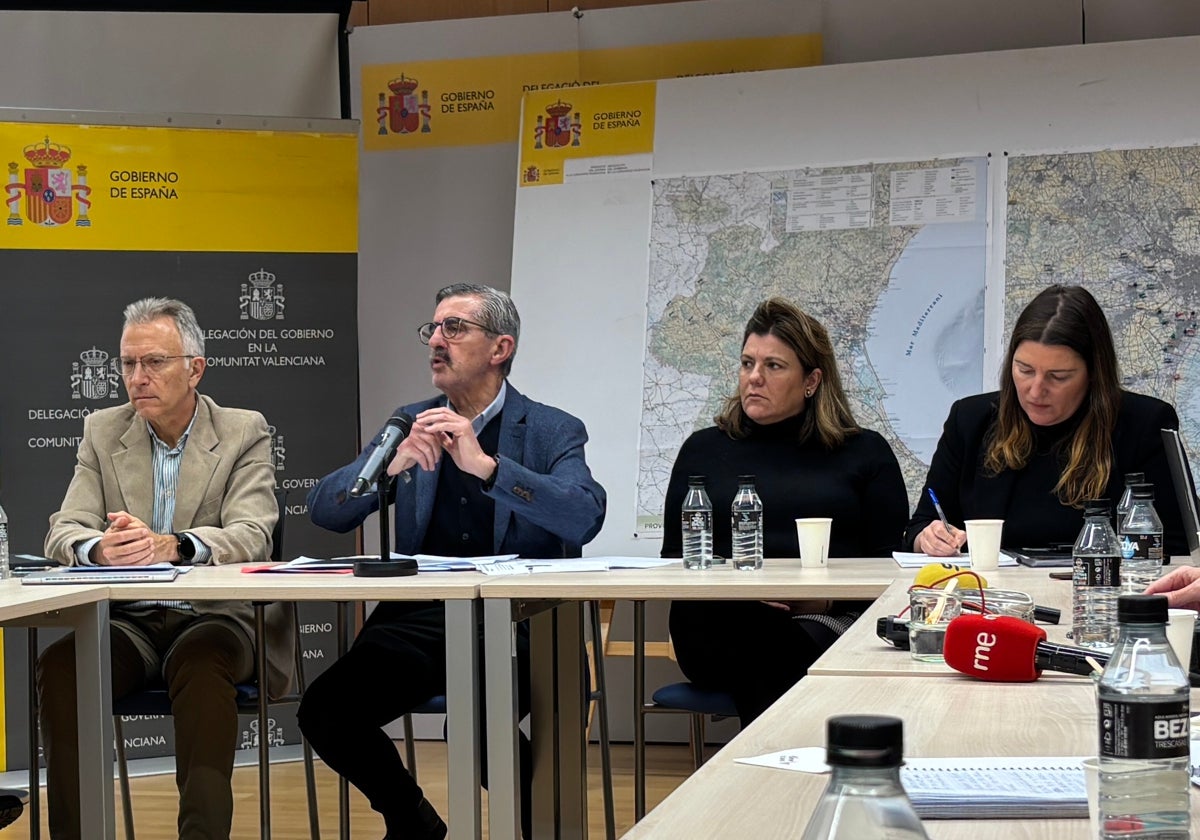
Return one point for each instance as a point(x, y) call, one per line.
point(827, 413)
point(1066, 316)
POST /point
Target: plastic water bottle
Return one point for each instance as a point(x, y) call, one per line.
point(697, 526)
point(5, 568)
point(1095, 583)
point(746, 514)
point(865, 798)
point(1127, 498)
point(1144, 727)
point(1141, 542)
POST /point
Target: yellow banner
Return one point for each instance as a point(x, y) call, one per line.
point(473, 101)
point(599, 132)
point(119, 188)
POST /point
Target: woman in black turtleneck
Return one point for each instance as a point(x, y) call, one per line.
point(789, 426)
point(1059, 431)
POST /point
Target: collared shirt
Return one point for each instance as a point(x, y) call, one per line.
point(165, 475)
point(494, 408)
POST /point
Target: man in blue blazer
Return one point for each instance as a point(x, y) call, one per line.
point(483, 471)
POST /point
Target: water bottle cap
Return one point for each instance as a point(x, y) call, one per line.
point(1134, 478)
point(695, 481)
point(1142, 491)
point(1097, 507)
point(864, 741)
point(1142, 609)
point(745, 479)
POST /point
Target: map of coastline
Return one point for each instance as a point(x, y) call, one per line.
point(901, 301)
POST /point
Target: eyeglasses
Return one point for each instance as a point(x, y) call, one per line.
point(452, 328)
point(152, 365)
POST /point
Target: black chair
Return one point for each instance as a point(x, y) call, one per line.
point(249, 701)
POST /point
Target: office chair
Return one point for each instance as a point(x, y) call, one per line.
point(437, 705)
point(678, 698)
point(156, 702)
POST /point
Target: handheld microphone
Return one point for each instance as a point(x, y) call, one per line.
point(390, 436)
point(1001, 648)
point(931, 573)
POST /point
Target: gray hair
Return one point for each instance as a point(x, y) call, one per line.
point(151, 309)
point(496, 311)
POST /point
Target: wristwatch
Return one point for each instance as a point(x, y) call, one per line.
point(185, 547)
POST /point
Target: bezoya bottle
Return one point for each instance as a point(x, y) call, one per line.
point(697, 526)
point(1141, 541)
point(1095, 582)
point(746, 521)
point(1127, 498)
point(1144, 718)
point(5, 568)
point(864, 798)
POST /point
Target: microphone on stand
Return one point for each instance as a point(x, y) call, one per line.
point(389, 438)
point(1001, 648)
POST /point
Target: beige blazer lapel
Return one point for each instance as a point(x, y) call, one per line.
point(196, 470)
point(133, 467)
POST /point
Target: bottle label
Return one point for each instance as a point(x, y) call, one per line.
point(747, 522)
point(1098, 571)
point(1144, 546)
point(1144, 730)
point(697, 522)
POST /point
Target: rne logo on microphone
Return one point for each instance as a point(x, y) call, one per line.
point(984, 643)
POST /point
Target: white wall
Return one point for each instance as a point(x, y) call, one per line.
point(580, 250)
point(271, 65)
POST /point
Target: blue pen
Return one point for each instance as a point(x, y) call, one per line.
point(941, 513)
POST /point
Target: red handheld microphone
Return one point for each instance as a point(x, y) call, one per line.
point(1001, 648)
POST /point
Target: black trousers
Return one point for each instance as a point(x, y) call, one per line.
point(750, 650)
point(397, 663)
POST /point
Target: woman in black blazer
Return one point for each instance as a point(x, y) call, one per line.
point(1060, 430)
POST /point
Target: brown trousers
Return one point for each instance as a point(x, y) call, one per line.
point(199, 660)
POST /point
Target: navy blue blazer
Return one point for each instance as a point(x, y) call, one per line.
point(547, 503)
point(966, 491)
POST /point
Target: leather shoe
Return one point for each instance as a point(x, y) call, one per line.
point(426, 825)
point(12, 804)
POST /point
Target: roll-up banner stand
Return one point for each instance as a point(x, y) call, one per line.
point(253, 222)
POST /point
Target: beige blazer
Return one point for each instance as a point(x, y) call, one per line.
point(225, 497)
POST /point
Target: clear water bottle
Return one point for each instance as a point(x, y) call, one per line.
point(1127, 498)
point(1144, 725)
point(5, 568)
point(1141, 541)
point(865, 798)
point(697, 526)
point(1095, 583)
point(746, 515)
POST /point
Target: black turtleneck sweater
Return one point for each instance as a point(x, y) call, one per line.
point(858, 484)
point(1033, 516)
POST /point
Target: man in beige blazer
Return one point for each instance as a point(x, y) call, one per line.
point(170, 477)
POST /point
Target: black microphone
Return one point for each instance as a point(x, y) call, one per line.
point(394, 431)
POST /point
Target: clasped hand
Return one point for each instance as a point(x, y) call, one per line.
point(440, 430)
point(130, 542)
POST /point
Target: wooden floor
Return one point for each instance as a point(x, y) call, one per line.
point(155, 799)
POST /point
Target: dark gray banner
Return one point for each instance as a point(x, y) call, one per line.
point(281, 337)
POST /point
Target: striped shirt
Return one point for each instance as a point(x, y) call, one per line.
point(165, 472)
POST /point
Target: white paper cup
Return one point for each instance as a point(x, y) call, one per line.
point(1180, 627)
point(813, 536)
point(1091, 776)
point(983, 543)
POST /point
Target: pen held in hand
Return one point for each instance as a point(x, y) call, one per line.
point(941, 513)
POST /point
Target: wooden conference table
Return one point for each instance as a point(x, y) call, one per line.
point(552, 602)
point(860, 652)
point(83, 609)
point(459, 590)
point(941, 718)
